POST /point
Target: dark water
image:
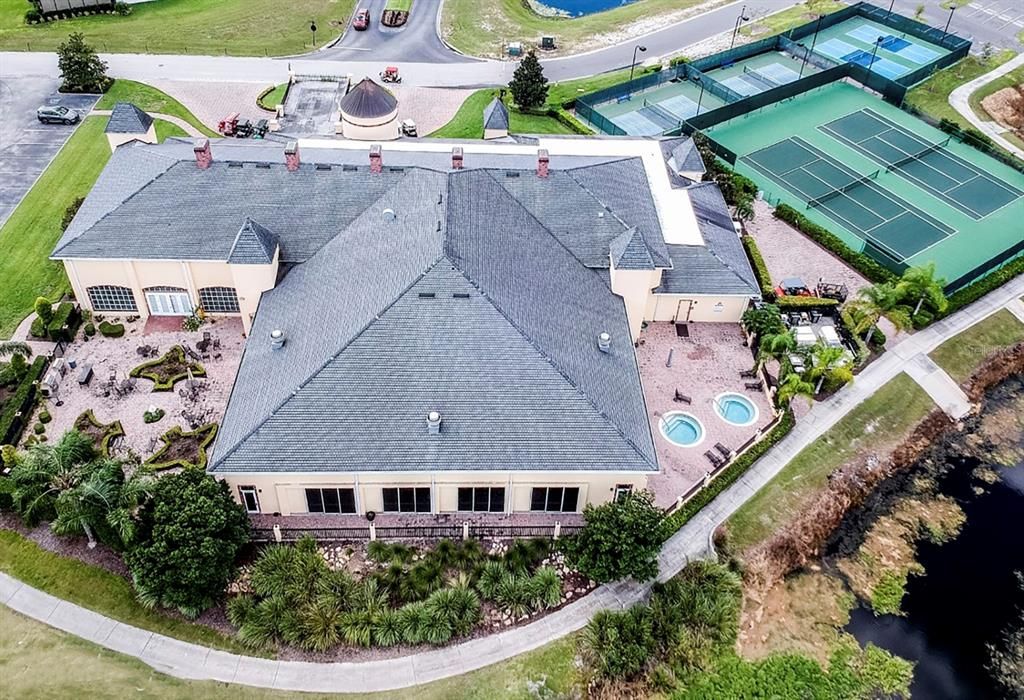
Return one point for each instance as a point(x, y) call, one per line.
point(577, 8)
point(966, 598)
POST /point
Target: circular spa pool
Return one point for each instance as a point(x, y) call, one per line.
point(736, 409)
point(682, 429)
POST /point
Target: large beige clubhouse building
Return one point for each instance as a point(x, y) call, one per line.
point(433, 327)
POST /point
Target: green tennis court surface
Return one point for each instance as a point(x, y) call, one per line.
point(883, 181)
point(926, 164)
point(877, 215)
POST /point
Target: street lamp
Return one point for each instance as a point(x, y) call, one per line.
point(874, 50)
point(700, 98)
point(814, 40)
point(632, 65)
point(312, 28)
point(948, 20)
point(891, 4)
point(736, 27)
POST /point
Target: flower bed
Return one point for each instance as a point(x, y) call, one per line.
point(102, 434)
point(168, 370)
point(183, 449)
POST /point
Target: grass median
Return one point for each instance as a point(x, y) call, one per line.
point(468, 122)
point(203, 27)
point(962, 354)
point(878, 423)
point(932, 96)
point(149, 99)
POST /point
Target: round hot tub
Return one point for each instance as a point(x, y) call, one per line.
point(682, 429)
point(735, 409)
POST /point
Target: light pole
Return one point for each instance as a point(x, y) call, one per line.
point(736, 27)
point(948, 20)
point(312, 28)
point(874, 50)
point(632, 65)
point(814, 40)
point(700, 98)
point(891, 4)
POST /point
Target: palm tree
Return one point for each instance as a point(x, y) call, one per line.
point(14, 347)
point(829, 364)
point(794, 385)
point(764, 320)
point(920, 283)
point(876, 301)
point(775, 346)
point(83, 506)
point(46, 471)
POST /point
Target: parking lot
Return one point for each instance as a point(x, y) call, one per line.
point(26, 146)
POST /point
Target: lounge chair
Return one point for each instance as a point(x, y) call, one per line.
point(682, 398)
point(726, 452)
point(753, 386)
point(715, 460)
point(748, 374)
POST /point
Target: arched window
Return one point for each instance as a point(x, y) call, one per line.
point(219, 300)
point(106, 297)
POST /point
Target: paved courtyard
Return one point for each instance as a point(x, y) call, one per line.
point(117, 356)
point(704, 365)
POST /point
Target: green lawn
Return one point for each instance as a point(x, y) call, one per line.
point(468, 122)
point(97, 589)
point(789, 18)
point(28, 236)
point(38, 661)
point(273, 98)
point(149, 99)
point(964, 353)
point(882, 419)
point(399, 5)
point(932, 96)
point(481, 28)
point(165, 130)
point(209, 27)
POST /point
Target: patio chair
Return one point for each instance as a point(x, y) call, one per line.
point(753, 386)
point(748, 374)
point(725, 451)
point(682, 398)
point(715, 460)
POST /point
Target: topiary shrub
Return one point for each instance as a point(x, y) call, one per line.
point(153, 416)
point(45, 417)
point(111, 330)
point(90, 329)
point(168, 370)
point(39, 428)
point(38, 328)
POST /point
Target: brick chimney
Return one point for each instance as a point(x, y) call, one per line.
point(376, 159)
point(542, 162)
point(291, 156)
point(204, 157)
point(457, 158)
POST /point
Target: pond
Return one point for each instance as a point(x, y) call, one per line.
point(577, 8)
point(968, 595)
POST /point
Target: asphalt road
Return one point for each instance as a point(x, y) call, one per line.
point(26, 146)
point(416, 42)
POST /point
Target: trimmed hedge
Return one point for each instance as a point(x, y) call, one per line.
point(110, 430)
point(67, 314)
point(562, 116)
point(111, 330)
point(160, 382)
point(806, 303)
point(764, 278)
point(828, 240)
point(733, 472)
point(976, 290)
point(11, 425)
point(168, 439)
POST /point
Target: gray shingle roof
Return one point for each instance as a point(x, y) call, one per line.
point(629, 252)
point(686, 157)
point(720, 266)
point(367, 100)
point(126, 118)
point(496, 115)
point(254, 245)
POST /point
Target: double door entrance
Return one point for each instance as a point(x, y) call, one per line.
point(169, 302)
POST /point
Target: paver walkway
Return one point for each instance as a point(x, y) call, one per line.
point(177, 121)
point(959, 98)
point(692, 541)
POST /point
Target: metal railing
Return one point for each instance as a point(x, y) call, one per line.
point(361, 533)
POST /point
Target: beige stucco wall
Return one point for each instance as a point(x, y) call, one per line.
point(634, 286)
point(116, 140)
point(495, 133)
point(379, 129)
point(285, 493)
point(249, 281)
point(703, 308)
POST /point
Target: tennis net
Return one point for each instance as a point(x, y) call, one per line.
point(818, 201)
point(663, 113)
point(767, 82)
point(917, 156)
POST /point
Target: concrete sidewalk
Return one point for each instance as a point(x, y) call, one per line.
point(946, 393)
point(960, 100)
point(692, 541)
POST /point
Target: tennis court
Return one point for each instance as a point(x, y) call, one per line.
point(754, 75)
point(877, 215)
point(895, 55)
point(926, 163)
point(653, 112)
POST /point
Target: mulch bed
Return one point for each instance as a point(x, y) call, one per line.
point(169, 369)
point(394, 18)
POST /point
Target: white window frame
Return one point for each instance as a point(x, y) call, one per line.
point(244, 491)
point(167, 301)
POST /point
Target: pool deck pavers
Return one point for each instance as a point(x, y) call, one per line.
point(692, 541)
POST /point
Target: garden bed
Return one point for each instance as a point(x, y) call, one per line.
point(183, 449)
point(101, 434)
point(394, 18)
point(168, 370)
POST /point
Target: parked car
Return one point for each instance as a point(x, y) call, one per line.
point(362, 20)
point(57, 114)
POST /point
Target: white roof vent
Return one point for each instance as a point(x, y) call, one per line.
point(434, 422)
point(276, 339)
point(389, 214)
point(604, 342)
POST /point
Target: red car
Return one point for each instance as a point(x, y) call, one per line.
point(362, 20)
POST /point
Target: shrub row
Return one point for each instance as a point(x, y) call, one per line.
point(976, 290)
point(806, 303)
point(868, 267)
point(12, 424)
point(67, 314)
point(764, 278)
point(733, 472)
